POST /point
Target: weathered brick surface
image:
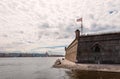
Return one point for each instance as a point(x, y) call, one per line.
point(71, 51)
point(102, 48)
point(109, 45)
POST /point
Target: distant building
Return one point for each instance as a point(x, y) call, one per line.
point(24, 55)
point(99, 48)
point(2, 54)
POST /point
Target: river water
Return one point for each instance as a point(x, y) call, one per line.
point(30, 68)
point(41, 68)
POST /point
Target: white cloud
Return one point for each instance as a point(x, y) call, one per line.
point(29, 24)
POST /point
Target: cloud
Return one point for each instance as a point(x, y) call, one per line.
point(46, 23)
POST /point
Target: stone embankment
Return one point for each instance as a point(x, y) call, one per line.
point(86, 67)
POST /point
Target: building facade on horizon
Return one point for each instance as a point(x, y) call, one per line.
point(99, 48)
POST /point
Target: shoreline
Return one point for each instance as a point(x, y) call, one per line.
point(86, 67)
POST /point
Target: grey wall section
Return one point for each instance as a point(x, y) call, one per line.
point(104, 48)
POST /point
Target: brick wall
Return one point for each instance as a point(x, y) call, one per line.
point(71, 51)
point(109, 45)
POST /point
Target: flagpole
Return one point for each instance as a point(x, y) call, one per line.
point(81, 27)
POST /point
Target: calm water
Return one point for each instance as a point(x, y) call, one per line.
point(30, 68)
point(41, 68)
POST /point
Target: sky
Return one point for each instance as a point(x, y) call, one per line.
point(48, 25)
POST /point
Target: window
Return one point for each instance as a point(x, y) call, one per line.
point(96, 48)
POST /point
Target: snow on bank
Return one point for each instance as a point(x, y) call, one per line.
point(63, 64)
point(88, 67)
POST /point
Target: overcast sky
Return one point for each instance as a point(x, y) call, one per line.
point(49, 25)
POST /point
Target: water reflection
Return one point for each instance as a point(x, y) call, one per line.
point(92, 75)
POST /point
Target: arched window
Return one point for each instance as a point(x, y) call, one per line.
point(96, 48)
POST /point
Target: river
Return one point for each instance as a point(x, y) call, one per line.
point(41, 68)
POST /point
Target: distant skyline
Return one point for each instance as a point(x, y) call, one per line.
point(49, 25)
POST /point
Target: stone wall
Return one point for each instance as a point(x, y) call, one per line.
point(99, 48)
point(71, 51)
point(103, 48)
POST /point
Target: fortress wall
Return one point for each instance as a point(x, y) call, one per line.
point(71, 51)
point(109, 49)
point(99, 48)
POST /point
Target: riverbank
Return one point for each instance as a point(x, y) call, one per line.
point(63, 63)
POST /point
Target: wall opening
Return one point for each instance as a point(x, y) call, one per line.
point(97, 53)
point(97, 49)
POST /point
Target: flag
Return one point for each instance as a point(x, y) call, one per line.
point(78, 20)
